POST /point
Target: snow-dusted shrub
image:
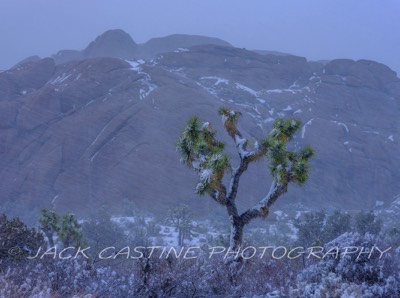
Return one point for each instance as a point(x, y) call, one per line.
point(213, 277)
point(17, 240)
point(64, 278)
point(99, 232)
point(367, 222)
point(372, 274)
point(202, 276)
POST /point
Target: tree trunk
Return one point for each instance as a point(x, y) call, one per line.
point(236, 234)
point(180, 237)
point(50, 239)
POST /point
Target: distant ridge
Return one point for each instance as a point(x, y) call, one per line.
point(173, 42)
point(117, 43)
point(276, 53)
point(27, 60)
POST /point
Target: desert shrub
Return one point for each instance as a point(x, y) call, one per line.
point(100, 232)
point(318, 227)
point(392, 236)
point(17, 241)
point(367, 222)
point(335, 225)
point(153, 228)
point(310, 228)
point(64, 278)
point(372, 274)
point(205, 276)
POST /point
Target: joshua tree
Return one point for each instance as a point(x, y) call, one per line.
point(48, 223)
point(65, 227)
point(181, 218)
point(201, 151)
point(70, 230)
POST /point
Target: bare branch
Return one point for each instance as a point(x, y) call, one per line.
point(235, 178)
point(261, 209)
point(241, 145)
point(218, 193)
point(245, 158)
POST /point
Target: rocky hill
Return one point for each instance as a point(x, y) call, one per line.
point(99, 126)
point(119, 44)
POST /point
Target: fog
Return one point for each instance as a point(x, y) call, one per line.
point(314, 29)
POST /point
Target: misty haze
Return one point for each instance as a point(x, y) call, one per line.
point(199, 149)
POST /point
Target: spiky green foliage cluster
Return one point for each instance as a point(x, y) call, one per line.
point(70, 230)
point(201, 151)
point(287, 165)
point(48, 221)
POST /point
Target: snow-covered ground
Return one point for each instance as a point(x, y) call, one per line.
point(203, 231)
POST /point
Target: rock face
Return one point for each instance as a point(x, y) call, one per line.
point(102, 131)
point(112, 43)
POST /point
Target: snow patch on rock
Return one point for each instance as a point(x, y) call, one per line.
point(303, 130)
point(246, 89)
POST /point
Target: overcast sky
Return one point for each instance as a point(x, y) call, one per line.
point(315, 29)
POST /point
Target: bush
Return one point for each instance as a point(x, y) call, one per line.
point(100, 232)
point(352, 274)
point(342, 276)
point(310, 228)
point(17, 241)
point(367, 222)
point(336, 224)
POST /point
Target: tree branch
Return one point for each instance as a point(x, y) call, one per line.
point(218, 193)
point(245, 158)
point(235, 178)
point(261, 209)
